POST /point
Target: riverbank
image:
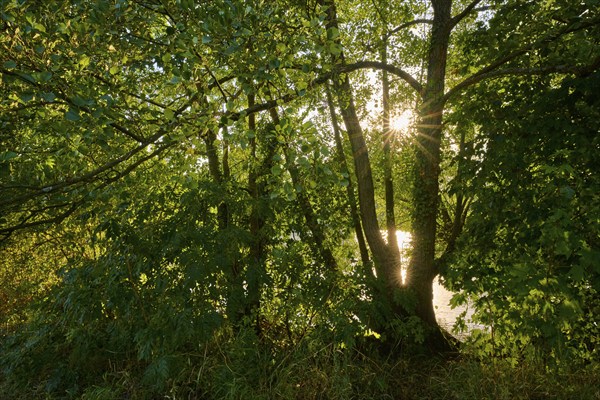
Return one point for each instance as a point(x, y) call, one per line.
point(234, 372)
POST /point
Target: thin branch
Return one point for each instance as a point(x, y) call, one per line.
point(583, 70)
point(115, 125)
point(234, 116)
point(459, 17)
point(127, 132)
point(218, 84)
point(167, 13)
point(155, 42)
point(491, 71)
point(83, 178)
point(484, 8)
point(137, 96)
point(23, 78)
point(408, 78)
point(68, 100)
point(407, 25)
point(6, 232)
point(137, 163)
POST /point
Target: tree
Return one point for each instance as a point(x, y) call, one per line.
point(222, 105)
point(554, 25)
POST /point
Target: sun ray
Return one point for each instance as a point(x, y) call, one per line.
point(401, 123)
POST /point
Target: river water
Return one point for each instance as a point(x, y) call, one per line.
point(445, 315)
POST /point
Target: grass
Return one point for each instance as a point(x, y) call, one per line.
point(233, 372)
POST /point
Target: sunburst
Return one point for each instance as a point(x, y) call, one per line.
point(401, 123)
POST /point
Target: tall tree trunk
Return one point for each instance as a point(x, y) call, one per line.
point(386, 265)
point(219, 172)
point(256, 268)
point(422, 269)
point(214, 167)
point(388, 139)
point(362, 245)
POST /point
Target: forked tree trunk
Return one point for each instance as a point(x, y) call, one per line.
point(426, 170)
point(386, 265)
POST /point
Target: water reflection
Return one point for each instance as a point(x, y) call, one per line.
point(445, 314)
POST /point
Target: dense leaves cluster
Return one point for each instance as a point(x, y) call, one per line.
point(531, 252)
point(193, 195)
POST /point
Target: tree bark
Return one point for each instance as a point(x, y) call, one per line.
point(388, 139)
point(386, 265)
point(214, 167)
point(256, 269)
point(422, 268)
point(360, 238)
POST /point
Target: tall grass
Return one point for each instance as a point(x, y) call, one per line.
point(239, 366)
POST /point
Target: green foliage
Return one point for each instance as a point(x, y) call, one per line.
point(529, 259)
point(175, 219)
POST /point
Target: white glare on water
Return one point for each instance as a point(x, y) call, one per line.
point(445, 314)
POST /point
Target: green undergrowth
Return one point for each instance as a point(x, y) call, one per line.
point(241, 367)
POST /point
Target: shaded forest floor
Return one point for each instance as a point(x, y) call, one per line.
point(235, 370)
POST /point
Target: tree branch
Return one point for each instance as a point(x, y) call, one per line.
point(7, 231)
point(459, 17)
point(408, 24)
point(491, 71)
point(48, 189)
point(408, 78)
point(583, 70)
point(235, 116)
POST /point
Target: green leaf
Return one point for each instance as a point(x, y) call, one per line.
point(333, 33)
point(48, 96)
point(231, 49)
point(569, 309)
point(276, 170)
point(84, 61)
point(26, 97)
point(577, 272)
point(72, 115)
point(78, 101)
point(114, 70)
point(10, 64)
point(41, 77)
point(335, 49)
point(39, 27)
point(169, 114)
point(8, 155)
